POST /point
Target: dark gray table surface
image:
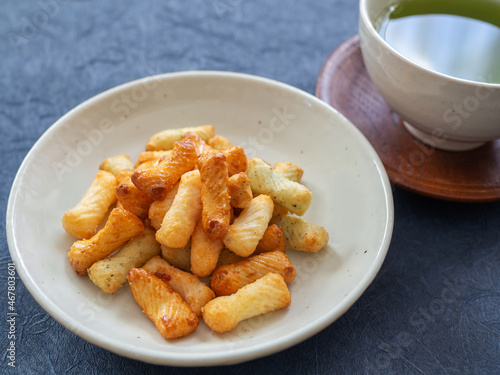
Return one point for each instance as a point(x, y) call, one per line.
point(434, 307)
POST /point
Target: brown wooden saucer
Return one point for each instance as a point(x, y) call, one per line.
point(467, 176)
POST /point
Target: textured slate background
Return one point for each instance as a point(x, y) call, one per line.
point(434, 308)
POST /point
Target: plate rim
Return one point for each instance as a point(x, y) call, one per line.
point(212, 359)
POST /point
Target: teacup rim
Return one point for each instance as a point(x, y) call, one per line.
point(363, 14)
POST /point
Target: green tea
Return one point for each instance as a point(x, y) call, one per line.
point(460, 38)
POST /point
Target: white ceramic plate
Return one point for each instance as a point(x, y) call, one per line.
point(351, 199)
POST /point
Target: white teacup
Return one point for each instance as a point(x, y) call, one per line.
point(440, 110)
